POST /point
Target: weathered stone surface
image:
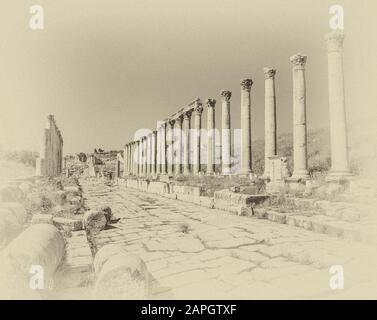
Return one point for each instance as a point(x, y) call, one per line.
point(39, 245)
point(220, 248)
point(11, 194)
point(74, 225)
point(103, 254)
point(50, 159)
point(123, 276)
point(94, 220)
point(42, 218)
point(230, 201)
point(107, 212)
point(187, 190)
point(158, 187)
point(18, 210)
point(9, 224)
point(26, 187)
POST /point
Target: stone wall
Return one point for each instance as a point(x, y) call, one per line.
point(50, 160)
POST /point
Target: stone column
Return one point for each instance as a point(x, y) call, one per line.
point(132, 158)
point(270, 138)
point(145, 156)
point(158, 149)
point(186, 142)
point(198, 110)
point(136, 155)
point(178, 145)
point(129, 160)
point(154, 152)
point(171, 153)
point(211, 143)
point(149, 154)
point(338, 120)
point(226, 138)
point(300, 159)
point(246, 164)
point(140, 157)
point(163, 148)
point(125, 160)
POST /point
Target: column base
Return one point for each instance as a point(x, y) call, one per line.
point(300, 176)
point(338, 175)
point(249, 175)
point(338, 181)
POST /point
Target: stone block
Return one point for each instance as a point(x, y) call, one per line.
point(40, 245)
point(72, 224)
point(158, 187)
point(42, 218)
point(18, 210)
point(123, 277)
point(26, 187)
point(94, 221)
point(276, 216)
point(11, 194)
point(103, 254)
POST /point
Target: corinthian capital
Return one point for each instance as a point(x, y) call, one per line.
point(198, 109)
point(246, 84)
point(269, 73)
point(210, 103)
point(187, 114)
point(226, 95)
point(298, 60)
point(334, 41)
point(171, 122)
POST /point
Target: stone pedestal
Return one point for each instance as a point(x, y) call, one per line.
point(226, 138)
point(211, 134)
point(278, 173)
point(246, 164)
point(270, 146)
point(338, 122)
point(300, 160)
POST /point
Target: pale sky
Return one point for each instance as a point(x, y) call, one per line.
point(108, 68)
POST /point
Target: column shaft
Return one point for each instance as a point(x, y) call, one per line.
point(270, 138)
point(337, 109)
point(163, 148)
point(211, 143)
point(226, 138)
point(178, 145)
point(300, 160)
point(246, 162)
point(154, 153)
point(186, 142)
point(171, 148)
point(196, 165)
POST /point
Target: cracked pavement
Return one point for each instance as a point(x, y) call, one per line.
point(199, 253)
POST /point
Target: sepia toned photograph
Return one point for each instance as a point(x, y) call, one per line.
point(188, 150)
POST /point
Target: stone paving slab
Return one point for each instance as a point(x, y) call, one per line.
point(195, 252)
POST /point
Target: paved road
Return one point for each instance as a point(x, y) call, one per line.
point(199, 253)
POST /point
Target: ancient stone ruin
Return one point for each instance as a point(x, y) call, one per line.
point(174, 148)
point(50, 161)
